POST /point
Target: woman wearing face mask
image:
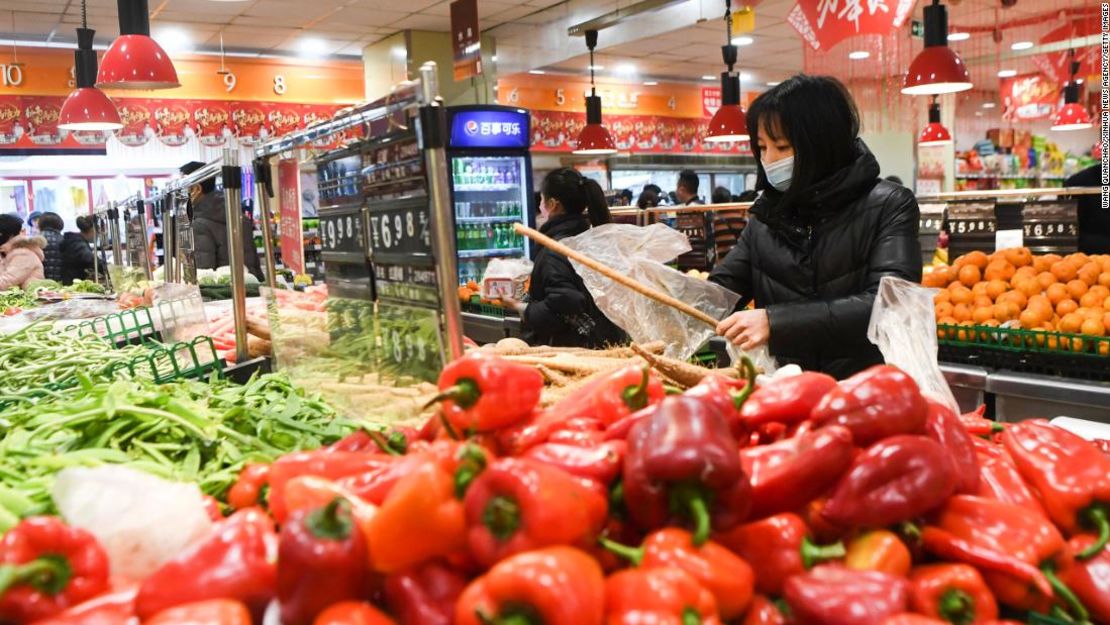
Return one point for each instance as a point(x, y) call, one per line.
point(822, 234)
point(560, 311)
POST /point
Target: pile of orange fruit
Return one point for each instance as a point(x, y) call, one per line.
point(1015, 289)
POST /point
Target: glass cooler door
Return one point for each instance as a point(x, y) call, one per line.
point(490, 195)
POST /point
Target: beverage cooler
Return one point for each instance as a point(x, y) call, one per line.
point(491, 189)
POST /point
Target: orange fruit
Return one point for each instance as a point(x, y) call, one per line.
point(982, 314)
point(960, 294)
point(1029, 287)
point(1106, 304)
point(1041, 263)
point(945, 321)
point(975, 259)
point(1016, 297)
point(980, 288)
point(1071, 323)
point(1103, 348)
point(1052, 259)
point(1056, 292)
point(1079, 258)
point(1089, 273)
point(962, 332)
point(1078, 345)
point(962, 312)
point(969, 275)
point(1104, 278)
point(1042, 310)
point(1024, 273)
point(1064, 271)
point(944, 309)
point(999, 270)
point(1029, 319)
point(1066, 306)
point(1103, 292)
point(1092, 299)
point(934, 279)
point(1076, 288)
point(1106, 321)
point(1018, 256)
point(1005, 311)
point(942, 296)
point(980, 301)
point(1092, 327)
point(995, 288)
point(1046, 279)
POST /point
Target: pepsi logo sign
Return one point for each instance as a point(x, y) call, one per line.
point(471, 127)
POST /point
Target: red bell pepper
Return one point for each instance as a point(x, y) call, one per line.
point(684, 463)
point(424, 595)
point(247, 490)
point(374, 485)
point(551, 586)
point(977, 426)
point(353, 613)
point(114, 608)
point(719, 570)
point(612, 396)
point(332, 465)
point(911, 618)
point(322, 560)
point(728, 394)
point(619, 429)
point(763, 611)
point(1090, 578)
point(519, 505)
point(422, 518)
point(834, 595)
point(1069, 474)
point(780, 547)
point(46, 567)
point(581, 431)
point(999, 478)
point(210, 612)
point(895, 480)
point(876, 403)
point(601, 463)
point(944, 427)
point(879, 550)
point(237, 560)
point(662, 596)
point(787, 400)
point(787, 475)
point(954, 593)
point(308, 492)
point(480, 392)
point(1018, 553)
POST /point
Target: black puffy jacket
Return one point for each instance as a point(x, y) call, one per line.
point(210, 235)
point(815, 267)
point(561, 311)
point(52, 255)
point(77, 259)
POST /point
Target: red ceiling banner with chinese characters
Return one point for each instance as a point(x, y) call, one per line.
point(824, 23)
point(1028, 97)
point(556, 131)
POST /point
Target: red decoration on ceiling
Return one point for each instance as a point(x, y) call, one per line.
point(824, 23)
point(1057, 65)
point(1027, 97)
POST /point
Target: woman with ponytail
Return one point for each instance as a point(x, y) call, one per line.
point(560, 311)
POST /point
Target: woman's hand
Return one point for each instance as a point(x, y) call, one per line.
point(748, 328)
point(514, 305)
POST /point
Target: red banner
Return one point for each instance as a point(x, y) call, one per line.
point(1027, 97)
point(557, 131)
point(212, 122)
point(824, 23)
point(289, 210)
point(173, 121)
point(1057, 65)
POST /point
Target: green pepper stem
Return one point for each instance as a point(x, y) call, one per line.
point(690, 616)
point(502, 517)
point(48, 574)
point(671, 390)
point(699, 512)
point(1095, 517)
point(635, 555)
point(956, 606)
point(636, 397)
point(385, 445)
point(814, 554)
point(513, 618)
point(465, 393)
point(747, 369)
point(331, 522)
point(472, 461)
point(1075, 606)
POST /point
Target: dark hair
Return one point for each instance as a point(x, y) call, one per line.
point(10, 226)
point(85, 224)
point(823, 136)
point(896, 180)
point(649, 198)
point(207, 185)
point(688, 179)
point(627, 194)
point(51, 221)
point(577, 193)
point(721, 195)
point(747, 196)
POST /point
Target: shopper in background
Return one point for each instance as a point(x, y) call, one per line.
point(686, 191)
point(722, 195)
point(626, 197)
point(20, 255)
point(747, 196)
point(821, 235)
point(77, 252)
point(649, 198)
point(560, 311)
point(1094, 222)
point(33, 222)
point(895, 179)
point(209, 221)
point(50, 227)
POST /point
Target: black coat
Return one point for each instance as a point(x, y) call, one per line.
point(52, 255)
point(77, 258)
point(210, 235)
point(561, 311)
point(816, 267)
point(1094, 223)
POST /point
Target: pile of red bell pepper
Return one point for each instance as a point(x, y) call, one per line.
point(802, 501)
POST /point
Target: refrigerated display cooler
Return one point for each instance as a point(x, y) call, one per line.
point(491, 189)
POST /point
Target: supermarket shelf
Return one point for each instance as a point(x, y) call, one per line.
point(486, 187)
point(488, 220)
point(512, 251)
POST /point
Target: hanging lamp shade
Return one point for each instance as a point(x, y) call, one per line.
point(595, 138)
point(937, 68)
point(134, 60)
point(934, 133)
point(87, 108)
point(1072, 116)
point(729, 122)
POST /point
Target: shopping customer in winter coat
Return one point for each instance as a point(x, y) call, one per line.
point(822, 234)
point(77, 252)
point(560, 311)
point(209, 221)
point(50, 227)
point(20, 256)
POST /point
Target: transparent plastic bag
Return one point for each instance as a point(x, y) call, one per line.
point(904, 328)
point(639, 253)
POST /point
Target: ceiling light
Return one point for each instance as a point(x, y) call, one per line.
point(596, 68)
point(1007, 73)
point(650, 83)
point(175, 40)
point(625, 69)
point(708, 77)
point(988, 105)
point(538, 72)
point(934, 133)
point(959, 36)
point(936, 69)
point(399, 52)
point(134, 60)
point(745, 76)
point(1021, 45)
point(594, 139)
point(729, 122)
point(87, 108)
point(312, 48)
point(742, 41)
point(774, 83)
point(1072, 116)
point(859, 55)
point(494, 58)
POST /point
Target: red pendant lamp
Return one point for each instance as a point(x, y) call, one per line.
point(936, 69)
point(729, 122)
point(87, 108)
point(1072, 116)
point(595, 139)
point(134, 60)
point(934, 133)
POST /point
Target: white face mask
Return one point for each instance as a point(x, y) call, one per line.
point(780, 173)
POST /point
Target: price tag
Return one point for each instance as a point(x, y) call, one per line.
point(410, 341)
point(341, 231)
point(408, 284)
point(400, 230)
point(1006, 239)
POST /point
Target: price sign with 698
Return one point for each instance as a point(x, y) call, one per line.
point(403, 229)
